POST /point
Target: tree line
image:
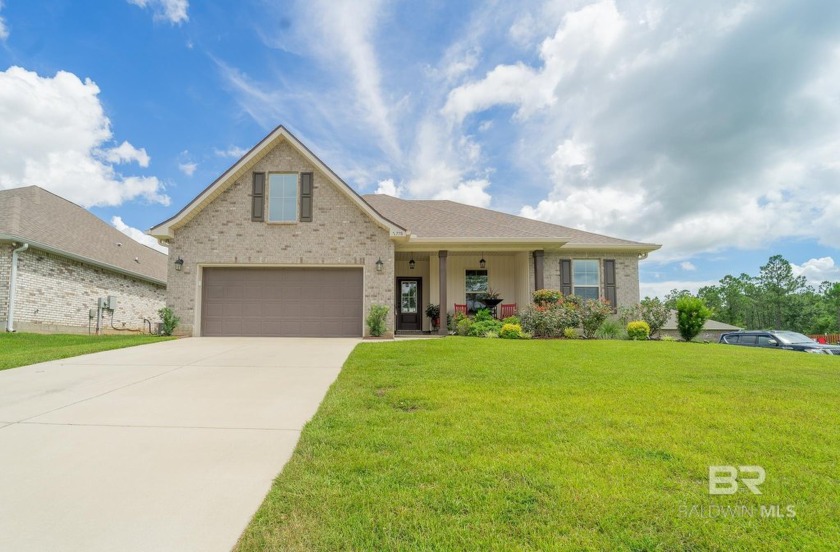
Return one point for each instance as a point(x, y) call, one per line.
point(775, 299)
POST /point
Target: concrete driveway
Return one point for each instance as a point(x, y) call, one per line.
point(169, 446)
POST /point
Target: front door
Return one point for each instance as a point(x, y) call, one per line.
point(409, 295)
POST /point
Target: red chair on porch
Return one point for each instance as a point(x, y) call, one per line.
point(461, 308)
point(508, 310)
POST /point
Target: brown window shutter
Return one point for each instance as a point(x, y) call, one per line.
point(566, 276)
point(258, 198)
point(609, 282)
point(306, 192)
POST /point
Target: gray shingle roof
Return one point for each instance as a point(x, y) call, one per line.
point(35, 215)
point(448, 219)
point(710, 325)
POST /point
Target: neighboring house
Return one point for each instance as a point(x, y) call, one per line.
point(279, 245)
point(67, 259)
point(711, 329)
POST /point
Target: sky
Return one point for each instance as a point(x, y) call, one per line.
point(712, 128)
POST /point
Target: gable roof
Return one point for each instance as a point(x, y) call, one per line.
point(51, 223)
point(442, 219)
point(165, 229)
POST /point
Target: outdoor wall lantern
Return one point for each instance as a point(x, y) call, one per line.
point(482, 263)
point(411, 264)
point(379, 265)
point(179, 264)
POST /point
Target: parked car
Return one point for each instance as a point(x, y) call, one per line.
point(790, 341)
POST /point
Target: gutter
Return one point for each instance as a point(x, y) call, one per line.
point(12, 281)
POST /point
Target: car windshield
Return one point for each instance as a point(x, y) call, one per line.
point(789, 338)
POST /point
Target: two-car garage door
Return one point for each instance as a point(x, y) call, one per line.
point(283, 302)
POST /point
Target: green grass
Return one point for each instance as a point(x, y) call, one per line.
point(478, 444)
point(20, 349)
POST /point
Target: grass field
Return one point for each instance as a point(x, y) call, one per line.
point(479, 444)
point(20, 349)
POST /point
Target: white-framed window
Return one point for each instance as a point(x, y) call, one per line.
point(476, 286)
point(282, 197)
point(586, 278)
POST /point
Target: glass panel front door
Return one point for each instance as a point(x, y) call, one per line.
point(408, 297)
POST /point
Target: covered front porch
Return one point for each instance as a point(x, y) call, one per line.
point(459, 277)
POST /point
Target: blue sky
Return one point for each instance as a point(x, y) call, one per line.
point(712, 128)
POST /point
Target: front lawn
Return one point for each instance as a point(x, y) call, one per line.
point(20, 349)
point(488, 444)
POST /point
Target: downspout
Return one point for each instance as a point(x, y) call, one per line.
point(12, 278)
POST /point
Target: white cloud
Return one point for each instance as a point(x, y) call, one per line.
point(471, 192)
point(174, 11)
point(231, 151)
point(55, 134)
point(188, 168)
point(817, 271)
point(137, 235)
point(588, 32)
point(688, 266)
point(126, 153)
point(388, 187)
point(4, 30)
point(661, 289)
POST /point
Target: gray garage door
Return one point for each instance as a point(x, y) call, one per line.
point(284, 302)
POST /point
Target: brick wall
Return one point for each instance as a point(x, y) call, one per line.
point(55, 294)
point(626, 273)
point(222, 233)
point(5, 268)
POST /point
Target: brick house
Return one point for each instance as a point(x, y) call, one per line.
point(279, 245)
point(64, 259)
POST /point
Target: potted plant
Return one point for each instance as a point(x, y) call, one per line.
point(491, 298)
point(433, 312)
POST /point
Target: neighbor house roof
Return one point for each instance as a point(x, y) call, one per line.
point(51, 223)
point(710, 325)
point(441, 219)
point(165, 230)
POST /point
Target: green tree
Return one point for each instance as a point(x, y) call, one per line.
point(779, 286)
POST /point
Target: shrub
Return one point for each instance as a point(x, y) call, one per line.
point(483, 315)
point(168, 321)
point(452, 320)
point(651, 310)
point(593, 312)
point(638, 330)
point(463, 325)
point(549, 321)
point(692, 314)
point(546, 297)
point(480, 327)
point(610, 329)
point(570, 333)
point(510, 331)
point(376, 320)
point(512, 320)
point(491, 335)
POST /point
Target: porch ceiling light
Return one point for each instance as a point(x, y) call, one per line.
point(379, 265)
point(411, 264)
point(179, 264)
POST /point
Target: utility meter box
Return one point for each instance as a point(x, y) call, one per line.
point(102, 302)
point(112, 303)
